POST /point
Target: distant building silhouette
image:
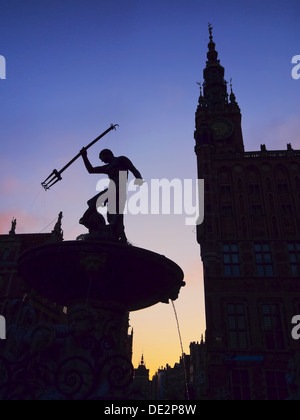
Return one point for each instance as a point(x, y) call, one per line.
point(185, 380)
point(141, 383)
point(250, 248)
point(170, 383)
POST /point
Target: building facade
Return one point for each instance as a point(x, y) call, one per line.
point(15, 295)
point(250, 248)
point(186, 380)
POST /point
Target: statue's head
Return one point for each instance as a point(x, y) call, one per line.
point(106, 156)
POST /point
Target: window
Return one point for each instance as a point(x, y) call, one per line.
point(257, 210)
point(237, 326)
point(276, 386)
point(227, 211)
point(240, 385)
point(263, 260)
point(294, 257)
point(254, 189)
point(5, 281)
point(242, 204)
point(240, 185)
point(231, 260)
point(225, 189)
point(283, 188)
point(269, 185)
point(275, 226)
point(272, 327)
point(286, 209)
point(271, 201)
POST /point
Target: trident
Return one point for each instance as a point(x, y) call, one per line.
point(56, 175)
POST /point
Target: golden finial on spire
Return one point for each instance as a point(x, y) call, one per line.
point(210, 28)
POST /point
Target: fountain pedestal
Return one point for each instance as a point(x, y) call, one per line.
point(100, 282)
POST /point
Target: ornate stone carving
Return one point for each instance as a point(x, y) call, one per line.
point(85, 360)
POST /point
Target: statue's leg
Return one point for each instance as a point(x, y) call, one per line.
point(116, 221)
point(121, 229)
point(117, 226)
point(121, 207)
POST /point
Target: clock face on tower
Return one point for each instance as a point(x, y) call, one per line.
point(222, 127)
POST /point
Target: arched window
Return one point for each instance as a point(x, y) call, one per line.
point(282, 179)
point(275, 226)
point(244, 228)
point(271, 201)
point(242, 204)
point(240, 185)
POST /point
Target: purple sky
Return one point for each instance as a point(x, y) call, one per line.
point(74, 67)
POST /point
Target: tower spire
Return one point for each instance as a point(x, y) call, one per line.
point(232, 95)
point(233, 102)
point(214, 87)
point(218, 116)
point(212, 55)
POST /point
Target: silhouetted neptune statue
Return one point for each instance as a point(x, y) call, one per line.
point(114, 196)
point(100, 280)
